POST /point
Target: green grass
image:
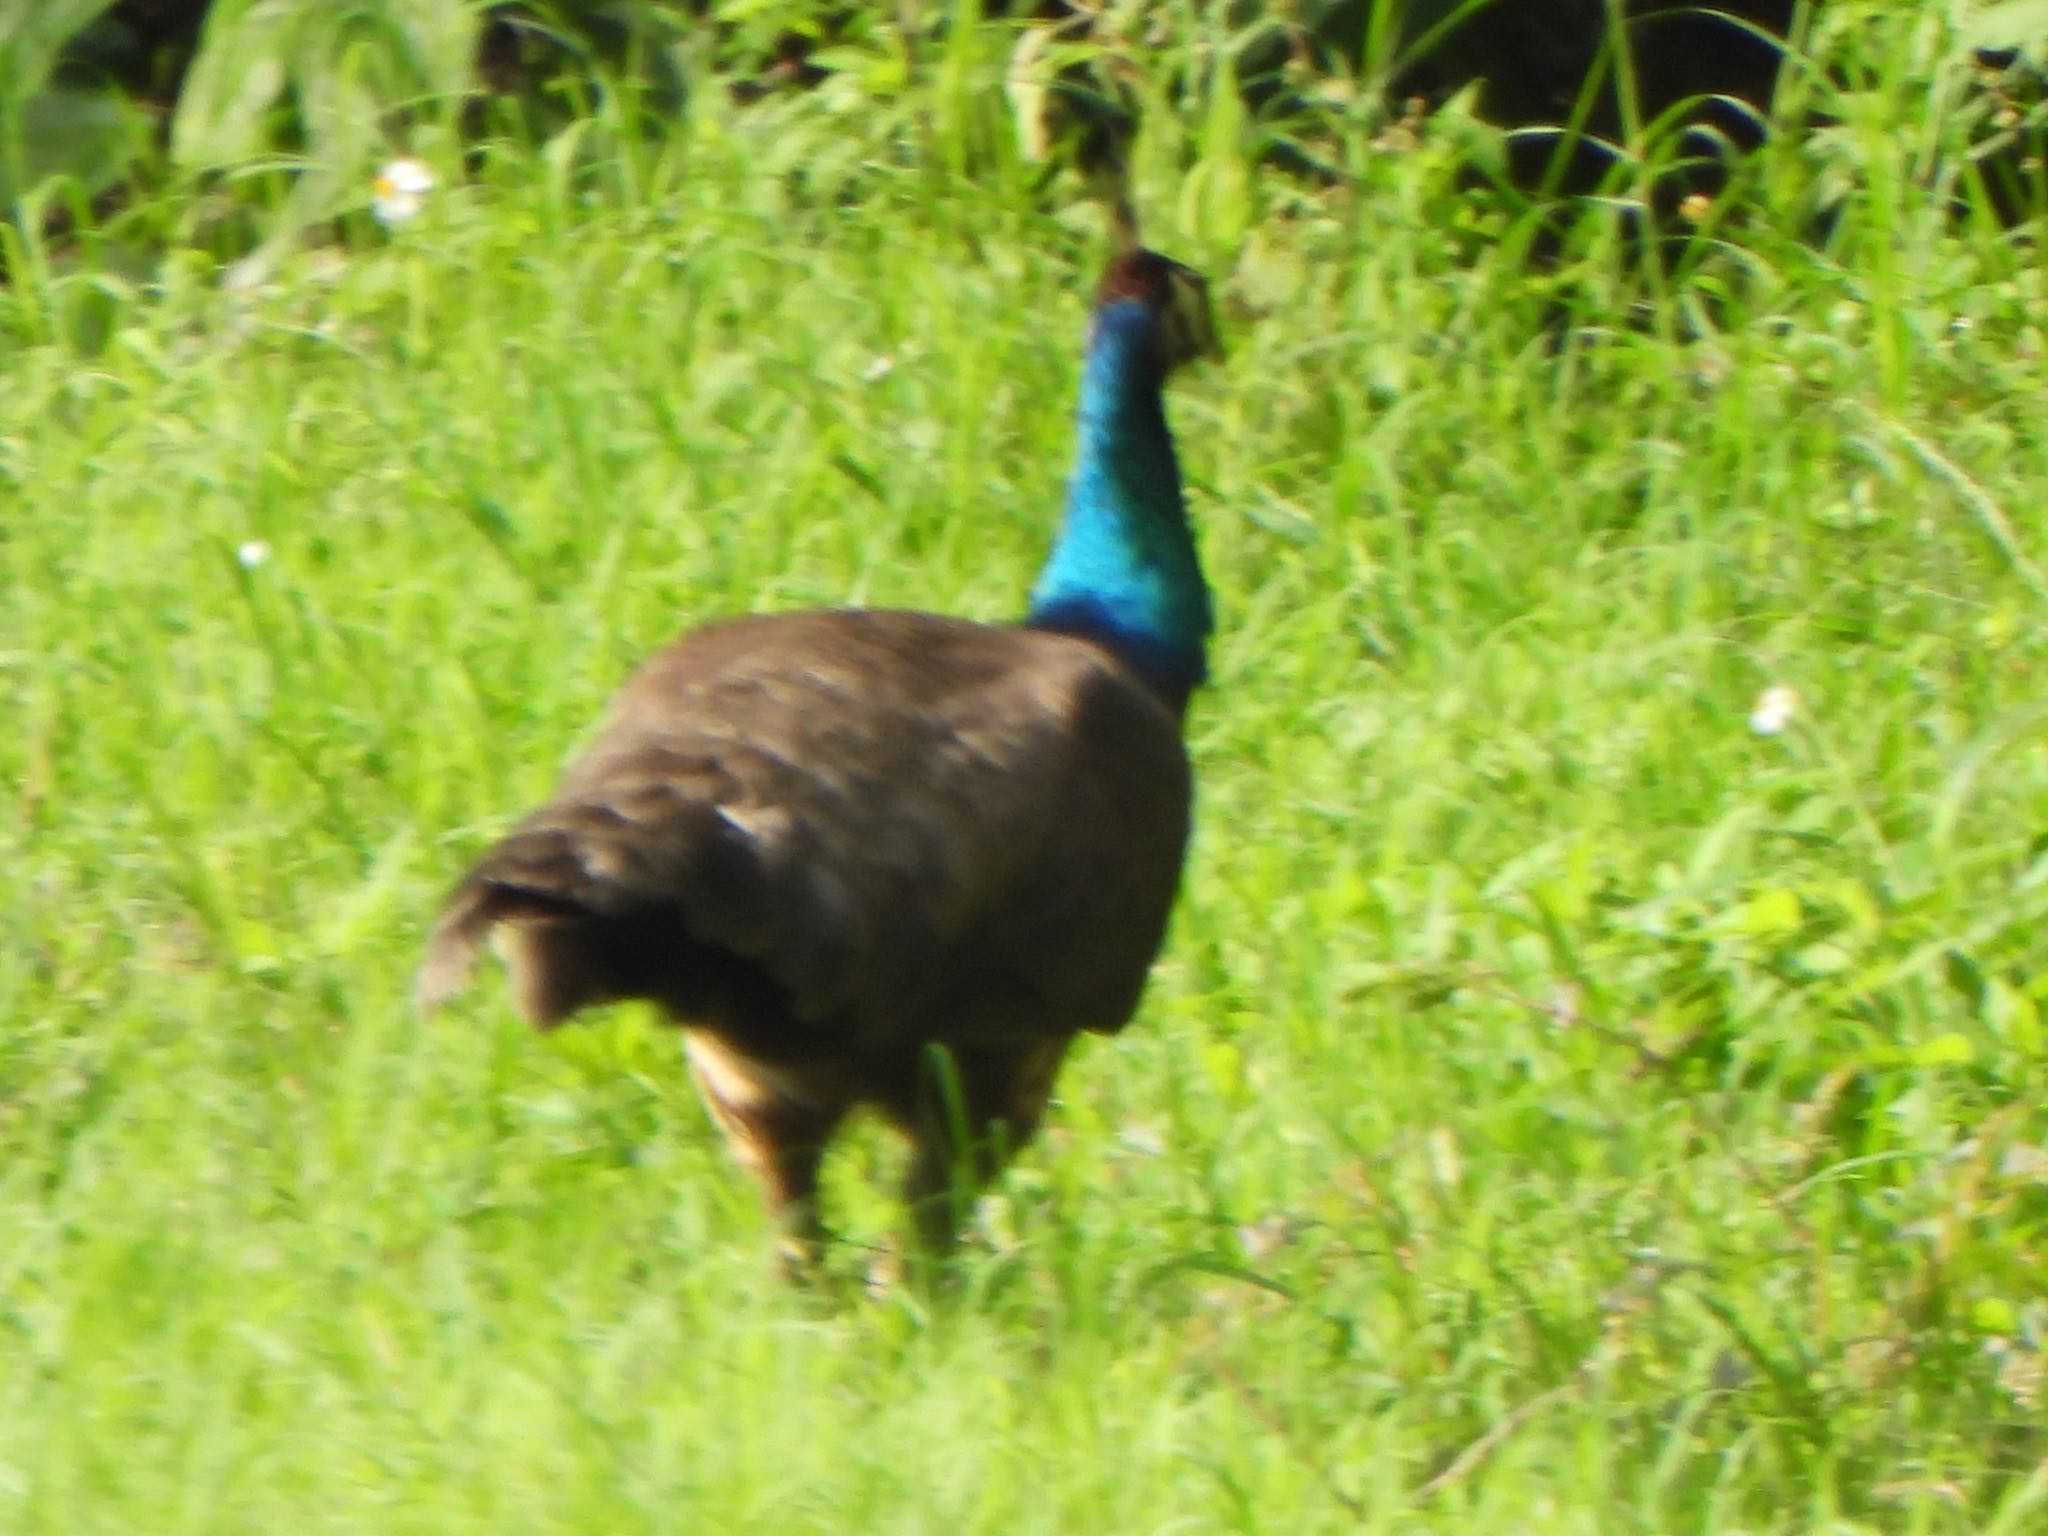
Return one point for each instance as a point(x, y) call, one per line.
point(1558, 1107)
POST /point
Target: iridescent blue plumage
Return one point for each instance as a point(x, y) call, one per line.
point(1123, 571)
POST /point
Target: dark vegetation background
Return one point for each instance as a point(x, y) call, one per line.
point(1661, 100)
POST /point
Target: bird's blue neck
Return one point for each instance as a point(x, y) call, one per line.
point(1123, 571)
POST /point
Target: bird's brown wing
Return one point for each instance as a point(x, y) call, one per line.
point(908, 826)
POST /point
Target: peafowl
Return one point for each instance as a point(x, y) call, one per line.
point(889, 858)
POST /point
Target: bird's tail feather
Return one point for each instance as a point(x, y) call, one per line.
point(591, 901)
point(537, 897)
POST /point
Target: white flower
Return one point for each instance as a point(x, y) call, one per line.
point(252, 554)
point(400, 192)
point(1773, 710)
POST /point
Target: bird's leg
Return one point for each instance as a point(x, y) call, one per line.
point(786, 1156)
point(976, 1107)
point(791, 1189)
point(776, 1135)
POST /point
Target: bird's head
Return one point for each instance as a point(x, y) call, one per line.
point(1176, 297)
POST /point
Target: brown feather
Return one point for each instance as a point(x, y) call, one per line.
point(825, 842)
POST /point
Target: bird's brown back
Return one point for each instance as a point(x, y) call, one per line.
point(884, 827)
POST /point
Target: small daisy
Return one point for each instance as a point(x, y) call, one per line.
point(252, 554)
point(1773, 710)
point(400, 192)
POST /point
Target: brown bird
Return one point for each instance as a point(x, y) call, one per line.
point(887, 858)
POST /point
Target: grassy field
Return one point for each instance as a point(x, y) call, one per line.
point(1560, 1108)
